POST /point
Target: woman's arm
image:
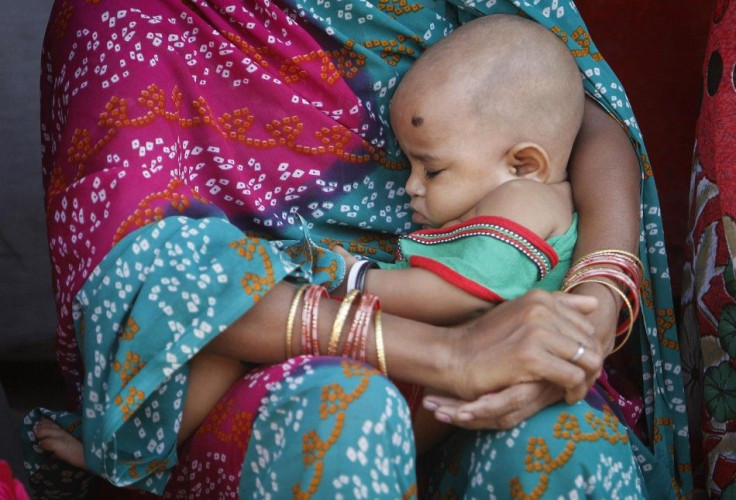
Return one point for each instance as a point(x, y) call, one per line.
point(604, 172)
point(530, 338)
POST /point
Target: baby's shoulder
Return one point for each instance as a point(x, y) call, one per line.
point(544, 208)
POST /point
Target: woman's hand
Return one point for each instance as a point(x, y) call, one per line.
point(504, 409)
point(350, 259)
point(533, 338)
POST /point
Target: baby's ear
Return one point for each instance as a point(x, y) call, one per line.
point(530, 160)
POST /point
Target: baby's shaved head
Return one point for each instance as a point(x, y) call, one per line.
point(505, 71)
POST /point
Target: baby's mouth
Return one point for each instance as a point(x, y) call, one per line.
point(418, 218)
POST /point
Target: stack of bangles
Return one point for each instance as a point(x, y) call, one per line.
point(620, 271)
point(354, 344)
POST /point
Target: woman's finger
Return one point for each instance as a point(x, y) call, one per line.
point(572, 326)
point(605, 315)
point(584, 304)
point(558, 352)
point(556, 366)
point(500, 410)
point(575, 310)
point(560, 312)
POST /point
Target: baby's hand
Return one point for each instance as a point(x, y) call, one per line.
point(350, 259)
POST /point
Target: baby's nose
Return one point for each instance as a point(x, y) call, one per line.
point(414, 187)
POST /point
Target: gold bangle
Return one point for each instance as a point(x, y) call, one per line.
point(613, 287)
point(342, 314)
point(290, 318)
point(380, 351)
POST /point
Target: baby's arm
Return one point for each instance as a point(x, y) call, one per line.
point(422, 295)
point(417, 294)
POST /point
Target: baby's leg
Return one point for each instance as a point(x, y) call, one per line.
point(210, 376)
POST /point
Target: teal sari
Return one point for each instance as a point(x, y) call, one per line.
point(175, 196)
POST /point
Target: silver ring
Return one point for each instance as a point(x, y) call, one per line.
point(578, 354)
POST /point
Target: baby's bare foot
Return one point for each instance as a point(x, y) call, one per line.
point(55, 440)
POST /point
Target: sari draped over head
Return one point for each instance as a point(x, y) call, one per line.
point(198, 152)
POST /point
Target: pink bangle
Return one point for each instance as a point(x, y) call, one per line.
point(623, 268)
point(310, 319)
point(355, 345)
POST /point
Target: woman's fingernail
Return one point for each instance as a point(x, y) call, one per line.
point(465, 416)
point(443, 418)
point(430, 405)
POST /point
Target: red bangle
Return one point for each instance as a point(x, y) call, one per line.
point(310, 319)
point(355, 345)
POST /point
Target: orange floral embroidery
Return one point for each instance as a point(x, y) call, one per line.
point(239, 430)
point(646, 293)
point(393, 50)
point(398, 7)
point(232, 125)
point(130, 329)
point(661, 422)
point(539, 459)
point(250, 50)
point(60, 24)
point(334, 65)
point(292, 70)
point(334, 402)
point(131, 402)
point(646, 166)
point(254, 284)
point(582, 38)
point(365, 245)
point(148, 212)
point(129, 368)
point(665, 321)
point(157, 465)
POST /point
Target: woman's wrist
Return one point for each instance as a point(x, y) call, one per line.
point(419, 353)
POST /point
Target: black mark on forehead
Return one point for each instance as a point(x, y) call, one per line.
point(417, 121)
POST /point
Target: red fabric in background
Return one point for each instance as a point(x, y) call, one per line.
point(656, 48)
